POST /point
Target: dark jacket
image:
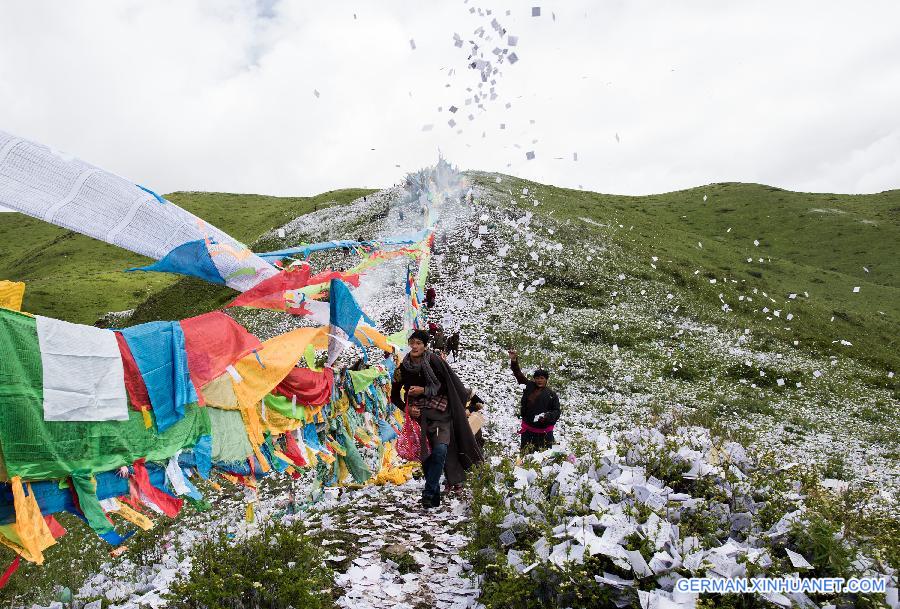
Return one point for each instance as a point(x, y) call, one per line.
point(452, 345)
point(545, 402)
point(463, 450)
point(404, 379)
point(439, 342)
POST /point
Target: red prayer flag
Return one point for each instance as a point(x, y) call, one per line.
point(269, 294)
point(328, 275)
point(288, 279)
point(12, 568)
point(134, 382)
point(213, 342)
point(292, 450)
point(310, 387)
point(56, 529)
point(167, 503)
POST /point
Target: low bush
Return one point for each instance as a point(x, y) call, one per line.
point(280, 567)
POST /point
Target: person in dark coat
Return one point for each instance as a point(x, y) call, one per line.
point(452, 345)
point(439, 342)
point(437, 399)
point(539, 408)
point(430, 297)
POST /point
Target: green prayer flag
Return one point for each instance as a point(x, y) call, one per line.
point(310, 356)
point(86, 489)
point(230, 441)
point(399, 338)
point(36, 449)
point(354, 461)
point(423, 272)
point(285, 407)
point(363, 378)
point(8, 531)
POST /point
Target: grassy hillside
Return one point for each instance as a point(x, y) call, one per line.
point(79, 279)
point(818, 247)
point(647, 312)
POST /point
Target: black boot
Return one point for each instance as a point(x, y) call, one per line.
point(431, 501)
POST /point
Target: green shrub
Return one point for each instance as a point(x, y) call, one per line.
point(400, 555)
point(547, 586)
point(661, 464)
point(820, 541)
point(751, 405)
point(69, 563)
point(862, 517)
point(835, 468)
point(279, 567)
point(684, 372)
point(878, 414)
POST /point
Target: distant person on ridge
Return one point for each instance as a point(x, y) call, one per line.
point(453, 345)
point(539, 408)
point(437, 399)
point(430, 297)
point(439, 342)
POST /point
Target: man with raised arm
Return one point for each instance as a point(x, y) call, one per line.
point(539, 408)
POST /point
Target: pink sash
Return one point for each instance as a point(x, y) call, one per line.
point(532, 429)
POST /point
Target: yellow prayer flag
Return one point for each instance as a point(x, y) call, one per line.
point(11, 294)
point(133, 516)
point(364, 332)
point(219, 393)
point(270, 364)
point(30, 530)
point(250, 516)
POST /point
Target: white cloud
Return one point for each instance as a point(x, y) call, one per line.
point(190, 95)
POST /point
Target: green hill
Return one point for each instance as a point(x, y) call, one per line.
point(817, 247)
point(79, 279)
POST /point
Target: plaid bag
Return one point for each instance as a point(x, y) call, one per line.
point(438, 402)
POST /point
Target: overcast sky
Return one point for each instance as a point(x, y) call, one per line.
point(652, 96)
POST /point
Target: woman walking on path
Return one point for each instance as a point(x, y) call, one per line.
point(437, 399)
point(539, 408)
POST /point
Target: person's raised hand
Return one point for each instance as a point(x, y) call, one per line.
point(513, 355)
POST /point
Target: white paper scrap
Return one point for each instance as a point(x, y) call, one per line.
point(797, 560)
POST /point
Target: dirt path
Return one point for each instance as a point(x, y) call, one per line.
point(400, 556)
